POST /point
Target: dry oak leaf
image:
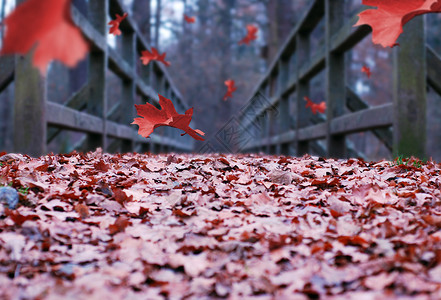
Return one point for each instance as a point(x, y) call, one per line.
point(47, 27)
point(115, 24)
point(167, 116)
point(388, 19)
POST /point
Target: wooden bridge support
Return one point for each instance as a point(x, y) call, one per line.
point(38, 121)
point(409, 91)
point(400, 125)
point(335, 78)
point(29, 108)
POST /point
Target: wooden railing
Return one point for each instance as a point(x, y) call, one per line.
point(414, 66)
point(37, 121)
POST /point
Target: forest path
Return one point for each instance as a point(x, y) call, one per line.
point(137, 226)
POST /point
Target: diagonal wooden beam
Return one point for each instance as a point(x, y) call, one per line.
point(354, 103)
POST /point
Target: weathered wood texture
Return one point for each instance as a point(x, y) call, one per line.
point(401, 127)
point(38, 121)
point(410, 91)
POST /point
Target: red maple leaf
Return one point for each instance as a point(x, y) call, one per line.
point(231, 88)
point(166, 116)
point(148, 56)
point(251, 35)
point(321, 107)
point(388, 19)
point(115, 24)
point(47, 26)
point(367, 70)
point(189, 19)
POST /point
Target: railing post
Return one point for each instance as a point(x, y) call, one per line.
point(409, 60)
point(30, 126)
point(129, 88)
point(335, 78)
point(97, 103)
point(283, 104)
point(302, 90)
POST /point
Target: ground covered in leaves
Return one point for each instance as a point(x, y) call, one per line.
point(137, 226)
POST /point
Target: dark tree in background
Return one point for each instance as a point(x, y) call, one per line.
point(142, 14)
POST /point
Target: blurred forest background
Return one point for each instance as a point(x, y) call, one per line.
point(206, 53)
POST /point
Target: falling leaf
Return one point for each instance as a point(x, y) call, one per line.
point(148, 56)
point(189, 19)
point(231, 88)
point(115, 24)
point(367, 70)
point(251, 35)
point(321, 107)
point(388, 19)
point(48, 29)
point(166, 116)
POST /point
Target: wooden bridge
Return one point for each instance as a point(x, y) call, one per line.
point(37, 120)
point(400, 126)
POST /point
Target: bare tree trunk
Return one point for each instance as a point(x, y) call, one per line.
point(281, 18)
point(142, 15)
point(157, 22)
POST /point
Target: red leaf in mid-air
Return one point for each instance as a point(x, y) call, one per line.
point(167, 116)
point(367, 70)
point(388, 19)
point(48, 26)
point(148, 56)
point(321, 107)
point(231, 88)
point(115, 24)
point(189, 19)
point(251, 35)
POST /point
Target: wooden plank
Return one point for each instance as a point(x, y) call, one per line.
point(97, 40)
point(348, 36)
point(312, 15)
point(129, 89)
point(312, 132)
point(146, 90)
point(315, 65)
point(335, 86)
point(7, 66)
point(354, 103)
point(286, 137)
point(410, 91)
point(68, 118)
point(257, 107)
point(302, 90)
point(119, 66)
point(98, 63)
point(433, 69)
point(366, 119)
point(318, 149)
point(283, 107)
point(29, 108)
point(78, 101)
point(120, 131)
point(114, 113)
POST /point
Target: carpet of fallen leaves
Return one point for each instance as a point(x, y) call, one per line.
point(189, 226)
